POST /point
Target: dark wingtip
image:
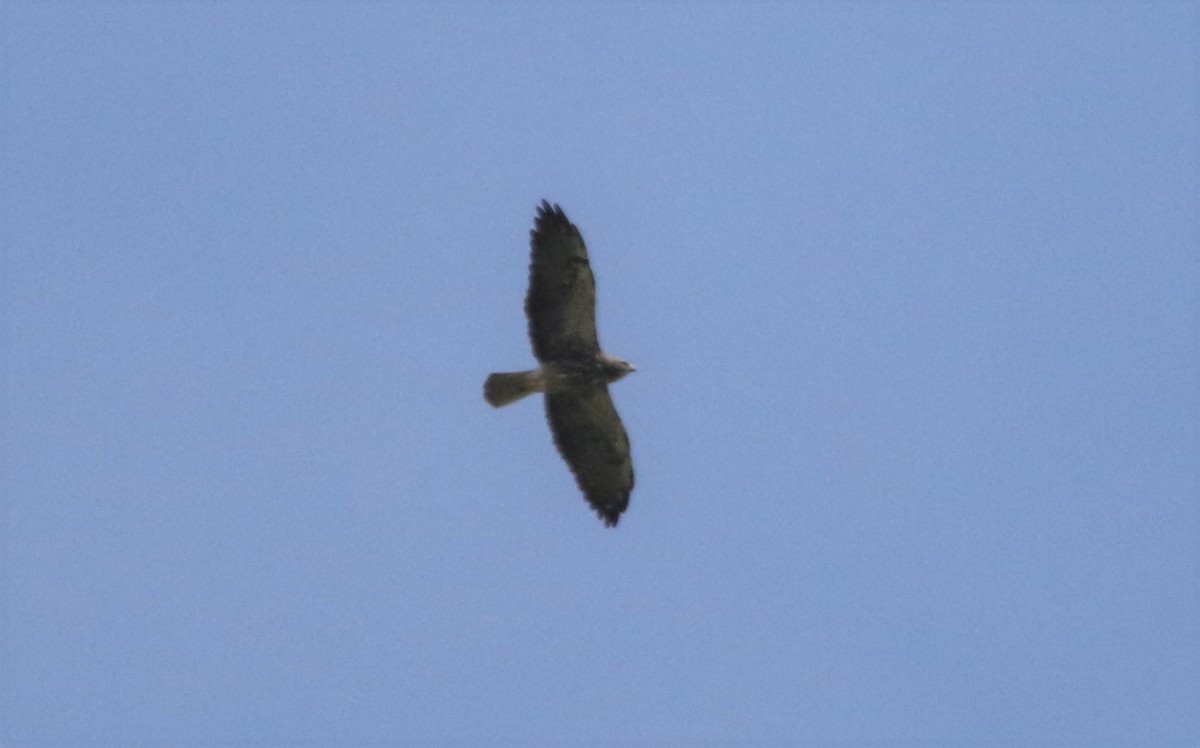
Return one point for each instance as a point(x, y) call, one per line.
point(548, 209)
point(611, 514)
point(550, 219)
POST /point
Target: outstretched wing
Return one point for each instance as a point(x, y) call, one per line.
point(590, 437)
point(561, 303)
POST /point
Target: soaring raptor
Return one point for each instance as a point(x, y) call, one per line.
point(574, 372)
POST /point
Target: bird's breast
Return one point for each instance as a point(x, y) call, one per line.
point(563, 376)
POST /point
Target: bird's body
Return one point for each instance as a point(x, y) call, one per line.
point(554, 377)
point(574, 372)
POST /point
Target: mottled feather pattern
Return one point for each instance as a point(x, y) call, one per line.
point(591, 439)
point(561, 302)
point(575, 373)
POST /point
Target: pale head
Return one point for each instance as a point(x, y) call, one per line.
point(615, 368)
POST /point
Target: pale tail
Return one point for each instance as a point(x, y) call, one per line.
point(502, 389)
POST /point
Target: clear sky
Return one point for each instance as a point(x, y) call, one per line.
point(914, 295)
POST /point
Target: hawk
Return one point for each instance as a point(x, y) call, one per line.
point(574, 372)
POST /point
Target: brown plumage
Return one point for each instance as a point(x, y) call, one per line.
point(574, 372)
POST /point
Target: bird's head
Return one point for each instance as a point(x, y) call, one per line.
point(615, 368)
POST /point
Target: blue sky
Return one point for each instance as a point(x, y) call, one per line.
point(914, 295)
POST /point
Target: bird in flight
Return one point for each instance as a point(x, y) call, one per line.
point(574, 373)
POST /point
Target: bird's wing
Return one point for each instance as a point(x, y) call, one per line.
point(561, 303)
point(590, 437)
